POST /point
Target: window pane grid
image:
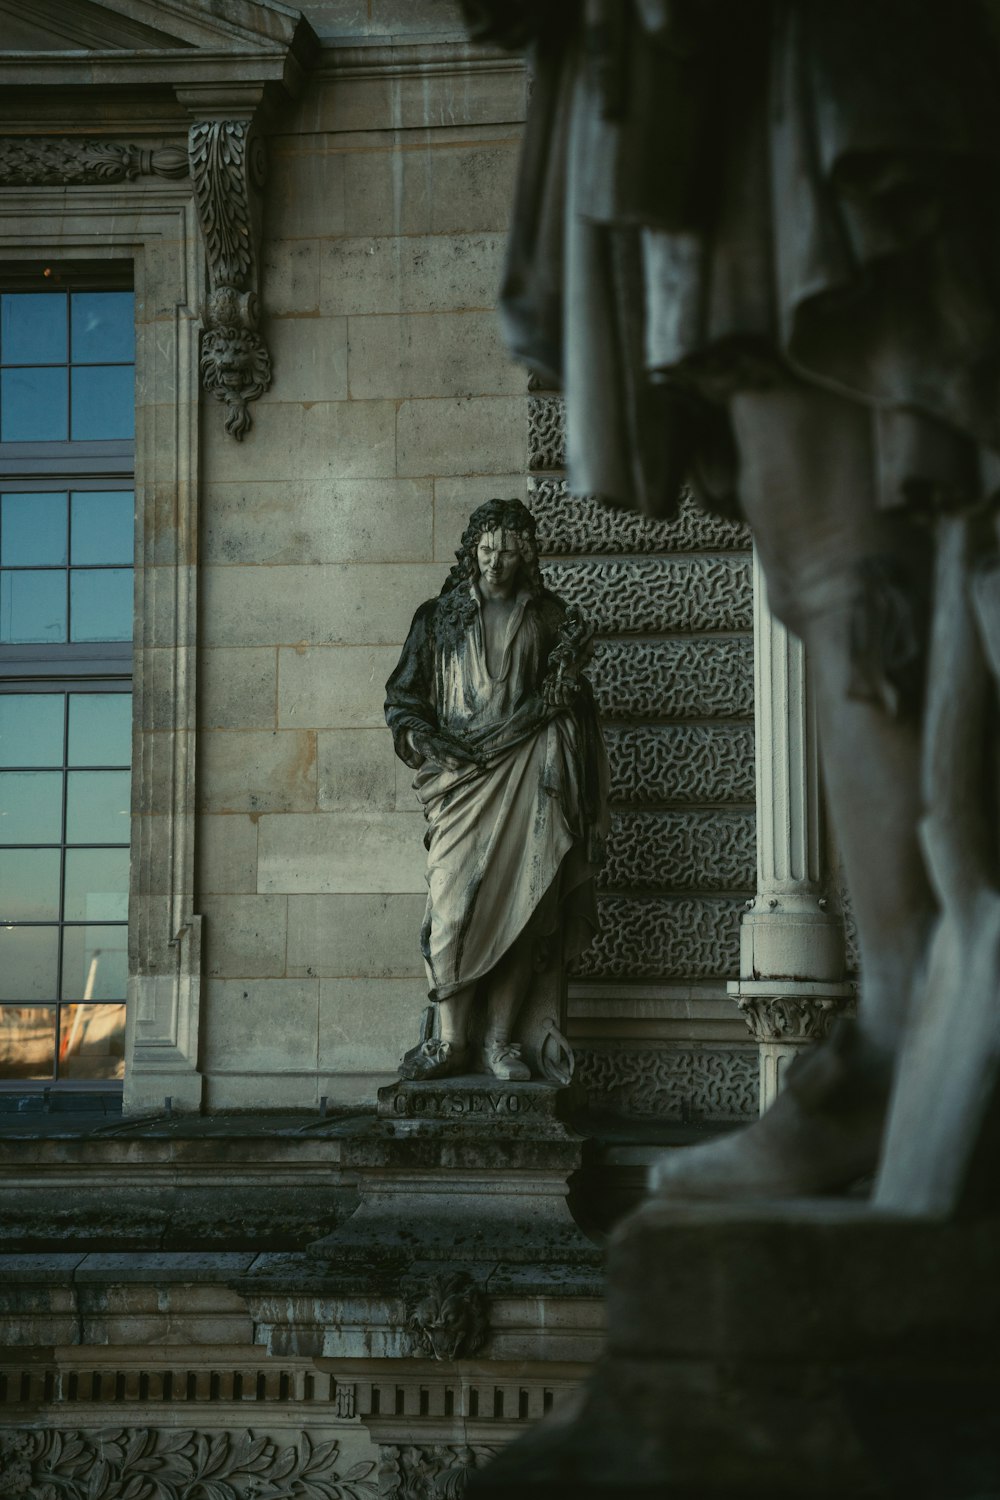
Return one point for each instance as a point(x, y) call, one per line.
point(66, 526)
point(85, 992)
point(51, 548)
point(45, 339)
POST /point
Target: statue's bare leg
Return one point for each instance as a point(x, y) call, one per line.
point(806, 483)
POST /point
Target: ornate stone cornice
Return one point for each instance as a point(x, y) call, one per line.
point(41, 161)
point(228, 168)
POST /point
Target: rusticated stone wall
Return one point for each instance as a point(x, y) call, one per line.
point(654, 1030)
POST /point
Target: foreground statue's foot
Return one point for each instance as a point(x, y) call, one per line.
point(821, 1134)
point(433, 1059)
point(504, 1060)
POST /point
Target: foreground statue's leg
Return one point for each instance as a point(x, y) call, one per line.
point(808, 491)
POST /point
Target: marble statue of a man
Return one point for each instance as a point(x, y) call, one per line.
point(489, 707)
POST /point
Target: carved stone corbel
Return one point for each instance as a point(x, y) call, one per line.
point(228, 168)
point(448, 1316)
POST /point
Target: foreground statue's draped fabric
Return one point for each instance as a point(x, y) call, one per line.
point(512, 841)
point(718, 193)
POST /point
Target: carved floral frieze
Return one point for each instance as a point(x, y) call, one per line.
point(144, 1463)
point(40, 161)
point(438, 1472)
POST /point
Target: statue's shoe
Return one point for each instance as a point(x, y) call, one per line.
point(822, 1133)
point(504, 1060)
point(433, 1059)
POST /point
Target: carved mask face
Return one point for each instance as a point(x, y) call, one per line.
point(499, 556)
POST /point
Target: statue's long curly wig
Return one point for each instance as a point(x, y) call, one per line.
point(497, 515)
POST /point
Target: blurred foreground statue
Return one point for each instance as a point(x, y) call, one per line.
point(489, 705)
point(757, 243)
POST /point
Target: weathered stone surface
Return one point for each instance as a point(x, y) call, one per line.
point(569, 523)
point(420, 273)
point(239, 688)
point(291, 273)
point(479, 1102)
point(681, 763)
point(669, 937)
point(333, 521)
point(446, 189)
point(477, 435)
point(257, 771)
point(227, 853)
point(334, 687)
point(352, 935)
point(675, 851)
point(357, 772)
point(322, 605)
point(292, 441)
point(693, 678)
point(348, 852)
point(365, 1023)
point(679, 1083)
point(706, 591)
point(309, 359)
point(430, 354)
point(546, 433)
point(245, 936)
point(261, 1026)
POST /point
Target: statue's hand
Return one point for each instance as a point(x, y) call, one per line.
point(559, 691)
point(441, 749)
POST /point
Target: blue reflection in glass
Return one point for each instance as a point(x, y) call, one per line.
point(103, 402)
point(95, 963)
point(33, 407)
point(96, 885)
point(100, 604)
point(31, 807)
point(29, 885)
point(103, 326)
point(32, 606)
point(103, 526)
point(97, 807)
point(31, 729)
point(33, 328)
point(33, 529)
point(100, 729)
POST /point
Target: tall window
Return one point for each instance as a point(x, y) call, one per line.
point(66, 542)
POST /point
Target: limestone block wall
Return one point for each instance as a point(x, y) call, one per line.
point(394, 410)
point(655, 1032)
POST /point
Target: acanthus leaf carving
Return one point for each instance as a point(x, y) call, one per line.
point(228, 168)
point(430, 1472)
point(166, 1464)
point(41, 161)
point(792, 1018)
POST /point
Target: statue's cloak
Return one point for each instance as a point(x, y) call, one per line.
point(514, 841)
point(718, 193)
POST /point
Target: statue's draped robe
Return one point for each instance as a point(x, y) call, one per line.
point(718, 193)
point(512, 843)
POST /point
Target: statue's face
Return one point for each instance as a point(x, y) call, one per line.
point(499, 557)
